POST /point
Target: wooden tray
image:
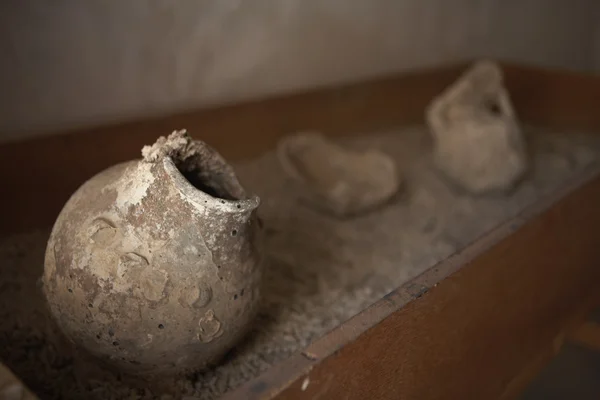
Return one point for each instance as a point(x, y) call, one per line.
point(478, 325)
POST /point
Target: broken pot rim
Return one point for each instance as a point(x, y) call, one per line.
point(200, 197)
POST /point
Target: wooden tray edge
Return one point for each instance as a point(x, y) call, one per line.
point(289, 373)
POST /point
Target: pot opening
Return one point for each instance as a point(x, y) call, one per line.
point(205, 185)
point(198, 165)
point(211, 176)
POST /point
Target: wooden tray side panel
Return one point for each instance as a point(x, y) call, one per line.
point(39, 175)
point(558, 99)
point(473, 335)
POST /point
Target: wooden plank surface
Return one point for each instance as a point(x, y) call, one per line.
point(560, 99)
point(587, 335)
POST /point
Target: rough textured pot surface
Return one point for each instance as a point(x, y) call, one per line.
point(154, 265)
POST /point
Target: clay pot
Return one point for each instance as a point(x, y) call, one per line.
point(154, 265)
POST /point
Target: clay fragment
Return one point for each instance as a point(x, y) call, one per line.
point(478, 144)
point(337, 180)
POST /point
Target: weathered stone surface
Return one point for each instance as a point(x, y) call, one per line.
point(339, 181)
point(478, 144)
point(148, 261)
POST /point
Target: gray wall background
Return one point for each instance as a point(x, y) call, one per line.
point(72, 63)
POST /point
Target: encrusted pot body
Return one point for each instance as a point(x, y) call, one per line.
point(148, 271)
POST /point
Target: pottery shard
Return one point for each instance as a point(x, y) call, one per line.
point(337, 180)
point(478, 144)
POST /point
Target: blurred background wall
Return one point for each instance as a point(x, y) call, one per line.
point(72, 63)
